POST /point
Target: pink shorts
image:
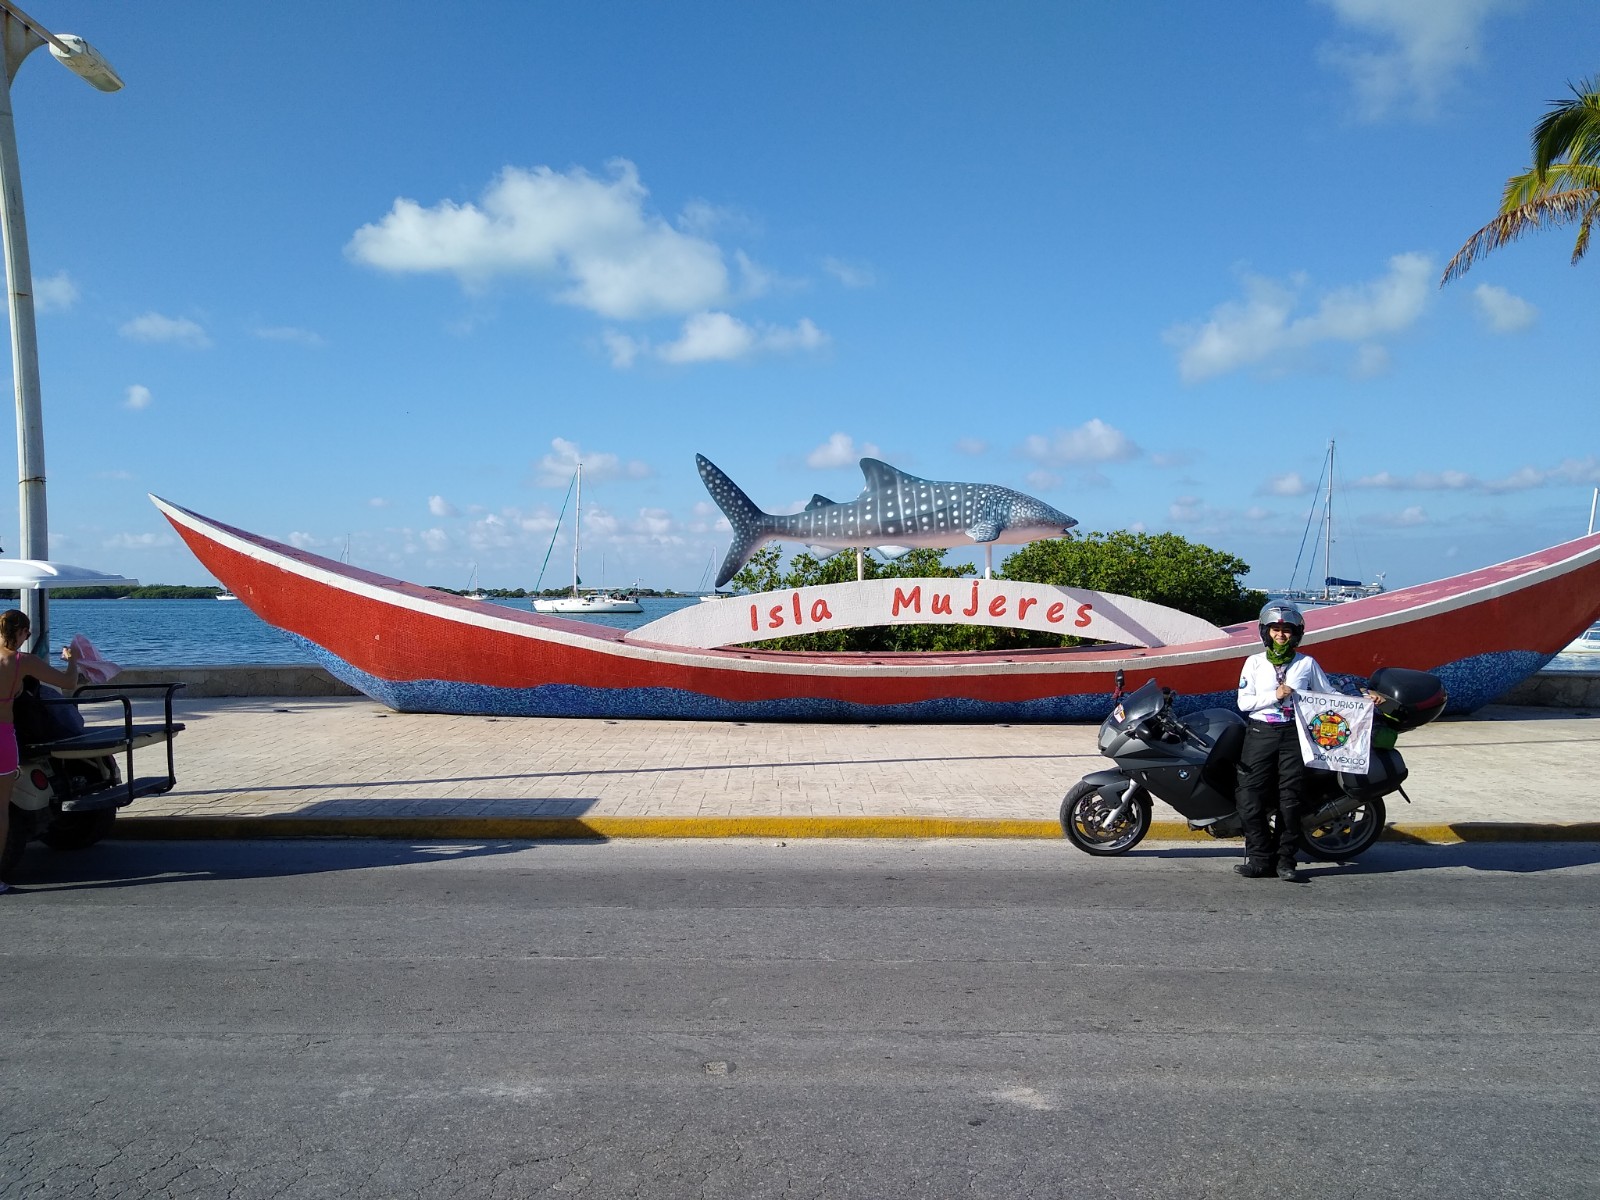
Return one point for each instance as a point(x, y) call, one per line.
point(8, 749)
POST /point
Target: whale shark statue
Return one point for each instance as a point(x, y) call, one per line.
point(895, 512)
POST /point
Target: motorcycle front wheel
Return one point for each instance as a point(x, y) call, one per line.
point(1092, 822)
point(1347, 836)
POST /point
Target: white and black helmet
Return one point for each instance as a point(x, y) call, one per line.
point(1281, 612)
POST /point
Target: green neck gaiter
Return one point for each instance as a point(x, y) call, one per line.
point(1278, 655)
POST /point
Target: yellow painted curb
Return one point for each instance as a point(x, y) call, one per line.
point(544, 828)
point(519, 828)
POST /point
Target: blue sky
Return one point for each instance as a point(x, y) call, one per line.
point(377, 275)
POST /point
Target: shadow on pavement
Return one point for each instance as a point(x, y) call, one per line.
point(1388, 857)
point(120, 864)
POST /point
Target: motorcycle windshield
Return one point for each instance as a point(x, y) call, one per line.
point(1144, 701)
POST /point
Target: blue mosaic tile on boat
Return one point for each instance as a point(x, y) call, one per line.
point(1471, 683)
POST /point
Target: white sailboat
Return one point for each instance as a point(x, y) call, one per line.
point(473, 592)
point(1333, 590)
point(595, 600)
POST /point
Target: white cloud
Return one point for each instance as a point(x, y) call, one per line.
point(436, 540)
point(721, 337)
point(1187, 509)
point(556, 469)
point(715, 337)
point(440, 507)
point(1422, 481)
point(138, 397)
point(1572, 471)
point(1406, 518)
point(710, 336)
point(138, 541)
point(54, 293)
point(1371, 361)
point(153, 327)
point(622, 349)
point(840, 450)
point(1263, 328)
point(851, 275)
point(303, 541)
point(1290, 484)
point(971, 446)
point(1408, 54)
point(1501, 311)
point(592, 237)
point(289, 333)
point(1092, 442)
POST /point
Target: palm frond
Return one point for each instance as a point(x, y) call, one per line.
point(1581, 246)
point(1561, 177)
point(1570, 130)
point(1543, 212)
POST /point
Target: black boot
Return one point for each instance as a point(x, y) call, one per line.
point(1252, 868)
point(1287, 873)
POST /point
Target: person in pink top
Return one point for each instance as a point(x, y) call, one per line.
point(15, 666)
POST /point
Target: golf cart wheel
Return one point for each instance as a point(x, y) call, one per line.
point(78, 831)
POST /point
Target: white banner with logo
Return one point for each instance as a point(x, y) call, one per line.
point(1335, 731)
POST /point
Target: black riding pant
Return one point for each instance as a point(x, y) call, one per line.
point(1270, 774)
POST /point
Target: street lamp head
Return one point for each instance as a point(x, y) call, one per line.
point(83, 59)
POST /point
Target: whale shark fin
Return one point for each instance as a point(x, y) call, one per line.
point(893, 552)
point(881, 477)
point(823, 553)
point(984, 529)
point(819, 501)
point(751, 526)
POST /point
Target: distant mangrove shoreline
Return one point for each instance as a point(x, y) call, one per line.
point(165, 591)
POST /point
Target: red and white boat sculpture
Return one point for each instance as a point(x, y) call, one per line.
point(419, 650)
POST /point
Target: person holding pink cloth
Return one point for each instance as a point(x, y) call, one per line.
point(15, 666)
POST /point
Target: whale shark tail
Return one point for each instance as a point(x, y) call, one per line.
point(751, 526)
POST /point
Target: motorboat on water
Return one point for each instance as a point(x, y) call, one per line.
point(1588, 642)
point(594, 600)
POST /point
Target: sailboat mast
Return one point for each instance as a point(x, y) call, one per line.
point(577, 529)
point(1327, 535)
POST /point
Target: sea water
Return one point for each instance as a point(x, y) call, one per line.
point(185, 633)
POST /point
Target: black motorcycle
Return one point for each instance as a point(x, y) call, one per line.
point(1192, 763)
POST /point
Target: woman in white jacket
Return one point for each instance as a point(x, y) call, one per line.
point(1270, 766)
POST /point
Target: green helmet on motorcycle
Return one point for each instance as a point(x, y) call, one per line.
point(1281, 612)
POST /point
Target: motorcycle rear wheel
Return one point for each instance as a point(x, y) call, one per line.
point(1084, 814)
point(1345, 837)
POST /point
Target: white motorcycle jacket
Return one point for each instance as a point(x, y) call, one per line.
point(1258, 685)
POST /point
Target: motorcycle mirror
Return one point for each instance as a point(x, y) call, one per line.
point(1120, 678)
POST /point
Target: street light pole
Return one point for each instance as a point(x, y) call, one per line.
point(22, 35)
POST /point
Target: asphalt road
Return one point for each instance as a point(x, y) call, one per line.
point(817, 1019)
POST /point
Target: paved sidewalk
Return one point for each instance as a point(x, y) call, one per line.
point(269, 767)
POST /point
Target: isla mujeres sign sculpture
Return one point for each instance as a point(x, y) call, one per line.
point(894, 514)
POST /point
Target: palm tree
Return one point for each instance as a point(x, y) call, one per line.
point(1551, 192)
